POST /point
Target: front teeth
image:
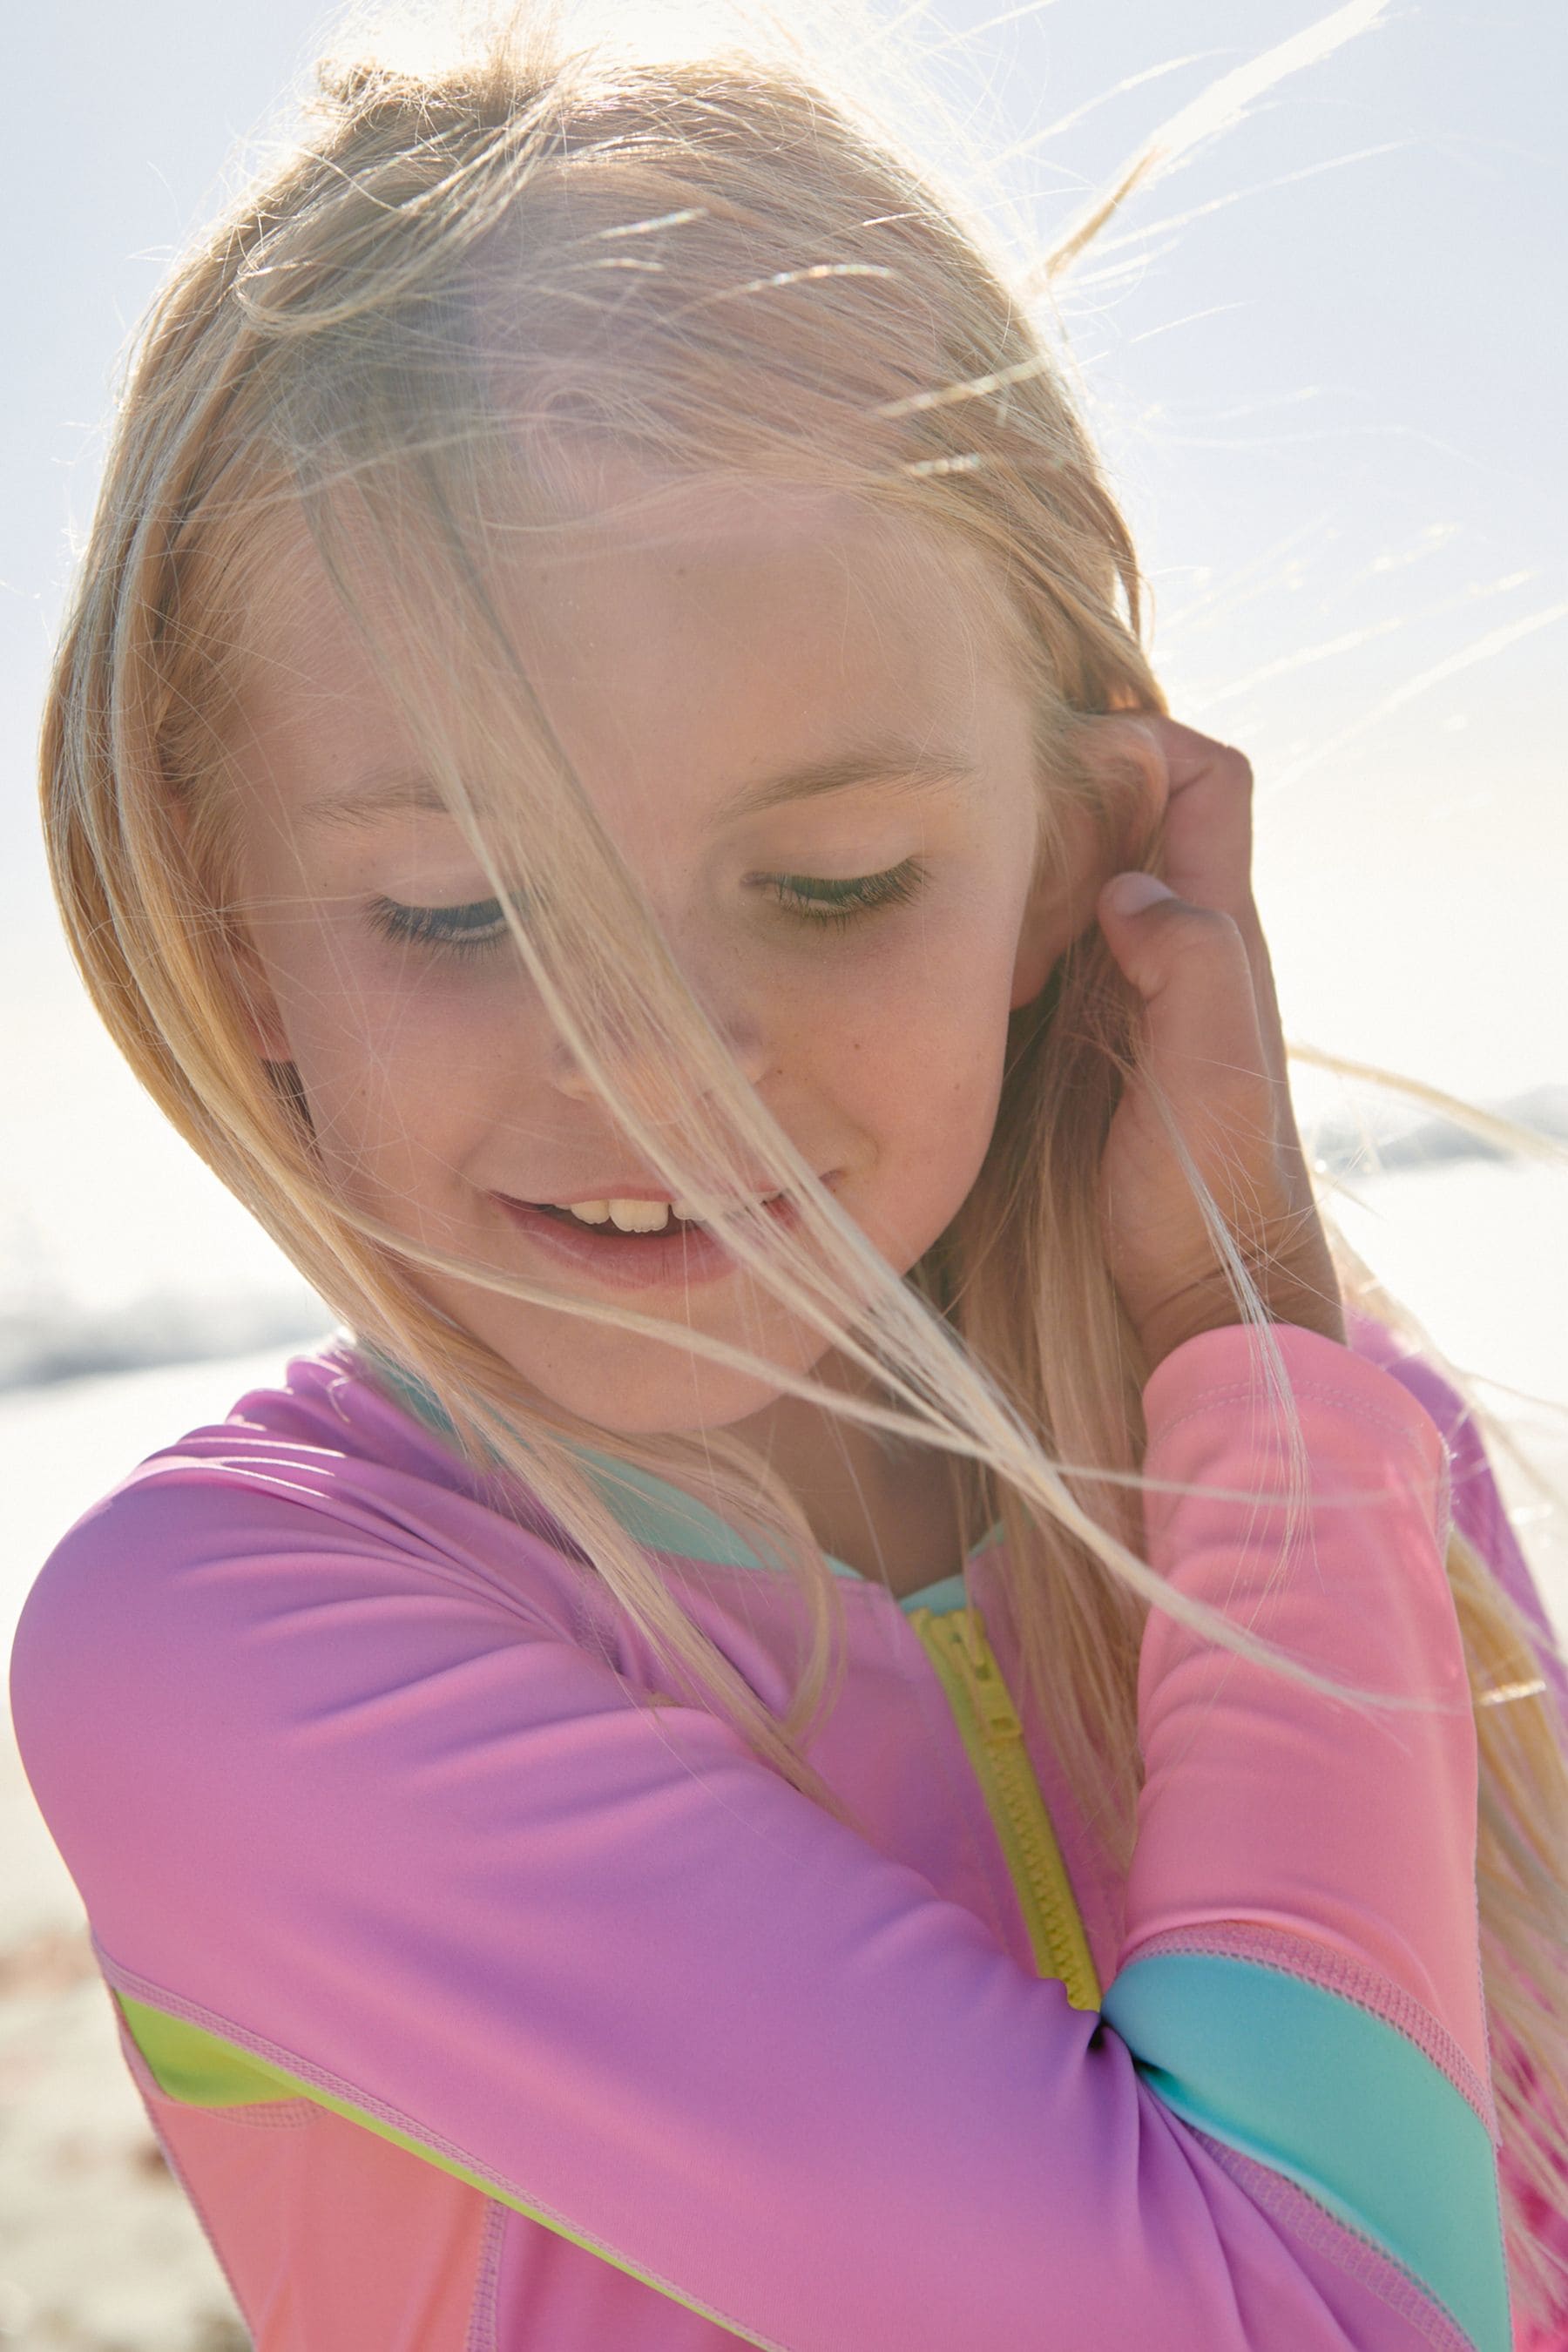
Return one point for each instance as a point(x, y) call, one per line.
point(634, 1216)
point(638, 1216)
point(627, 1216)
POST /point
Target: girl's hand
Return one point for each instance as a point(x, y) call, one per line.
point(1195, 953)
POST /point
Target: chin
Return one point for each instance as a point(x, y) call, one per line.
point(660, 1395)
point(623, 1384)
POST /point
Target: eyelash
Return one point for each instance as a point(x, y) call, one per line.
point(468, 931)
point(866, 894)
point(472, 929)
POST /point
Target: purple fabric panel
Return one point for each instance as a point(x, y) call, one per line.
point(336, 1778)
point(349, 1812)
point(1479, 1509)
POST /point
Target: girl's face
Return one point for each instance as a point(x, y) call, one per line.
point(751, 685)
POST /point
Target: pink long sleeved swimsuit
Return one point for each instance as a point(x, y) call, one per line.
point(480, 2010)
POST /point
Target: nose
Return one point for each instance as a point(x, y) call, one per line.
point(737, 1026)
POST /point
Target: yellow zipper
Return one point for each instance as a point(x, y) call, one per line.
point(993, 1736)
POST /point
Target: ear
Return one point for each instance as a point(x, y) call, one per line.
point(1088, 846)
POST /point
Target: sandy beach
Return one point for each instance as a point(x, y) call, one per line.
point(99, 2251)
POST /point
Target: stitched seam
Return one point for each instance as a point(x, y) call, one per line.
point(198, 2208)
point(289, 2062)
point(1248, 1392)
point(483, 2317)
point(1368, 2264)
point(1353, 1980)
point(283, 2114)
point(274, 2115)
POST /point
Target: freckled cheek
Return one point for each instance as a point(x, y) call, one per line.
point(928, 1037)
point(400, 1078)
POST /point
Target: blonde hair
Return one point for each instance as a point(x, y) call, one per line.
point(715, 265)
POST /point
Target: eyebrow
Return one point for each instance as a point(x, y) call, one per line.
point(899, 767)
point(888, 767)
point(365, 803)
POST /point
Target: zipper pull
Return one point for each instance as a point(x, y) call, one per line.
point(993, 1704)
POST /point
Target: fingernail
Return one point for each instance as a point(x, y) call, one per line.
point(1130, 893)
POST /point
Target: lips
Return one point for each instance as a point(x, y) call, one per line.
point(683, 1254)
point(633, 1214)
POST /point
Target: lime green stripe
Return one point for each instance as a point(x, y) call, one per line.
point(203, 2070)
point(1322, 2091)
point(197, 2068)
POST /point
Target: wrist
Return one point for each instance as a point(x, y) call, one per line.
point(1306, 1307)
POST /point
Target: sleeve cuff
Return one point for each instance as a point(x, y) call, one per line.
point(1223, 1369)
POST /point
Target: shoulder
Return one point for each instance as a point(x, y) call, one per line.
point(1378, 1345)
point(1477, 1507)
point(1481, 1512)
point(275, 1660)
point(251, 1557)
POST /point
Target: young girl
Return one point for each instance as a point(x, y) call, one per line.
point(860, 1708)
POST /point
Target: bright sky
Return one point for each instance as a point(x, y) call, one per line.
point(1325, 354)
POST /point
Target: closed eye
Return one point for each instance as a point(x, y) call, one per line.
point(468, 929)
point(479, 925)
point(840, 903)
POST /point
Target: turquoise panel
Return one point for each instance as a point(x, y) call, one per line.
point(1322, 2091)
point(658, 1514)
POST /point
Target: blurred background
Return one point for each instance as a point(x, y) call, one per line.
point(1324, 353)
